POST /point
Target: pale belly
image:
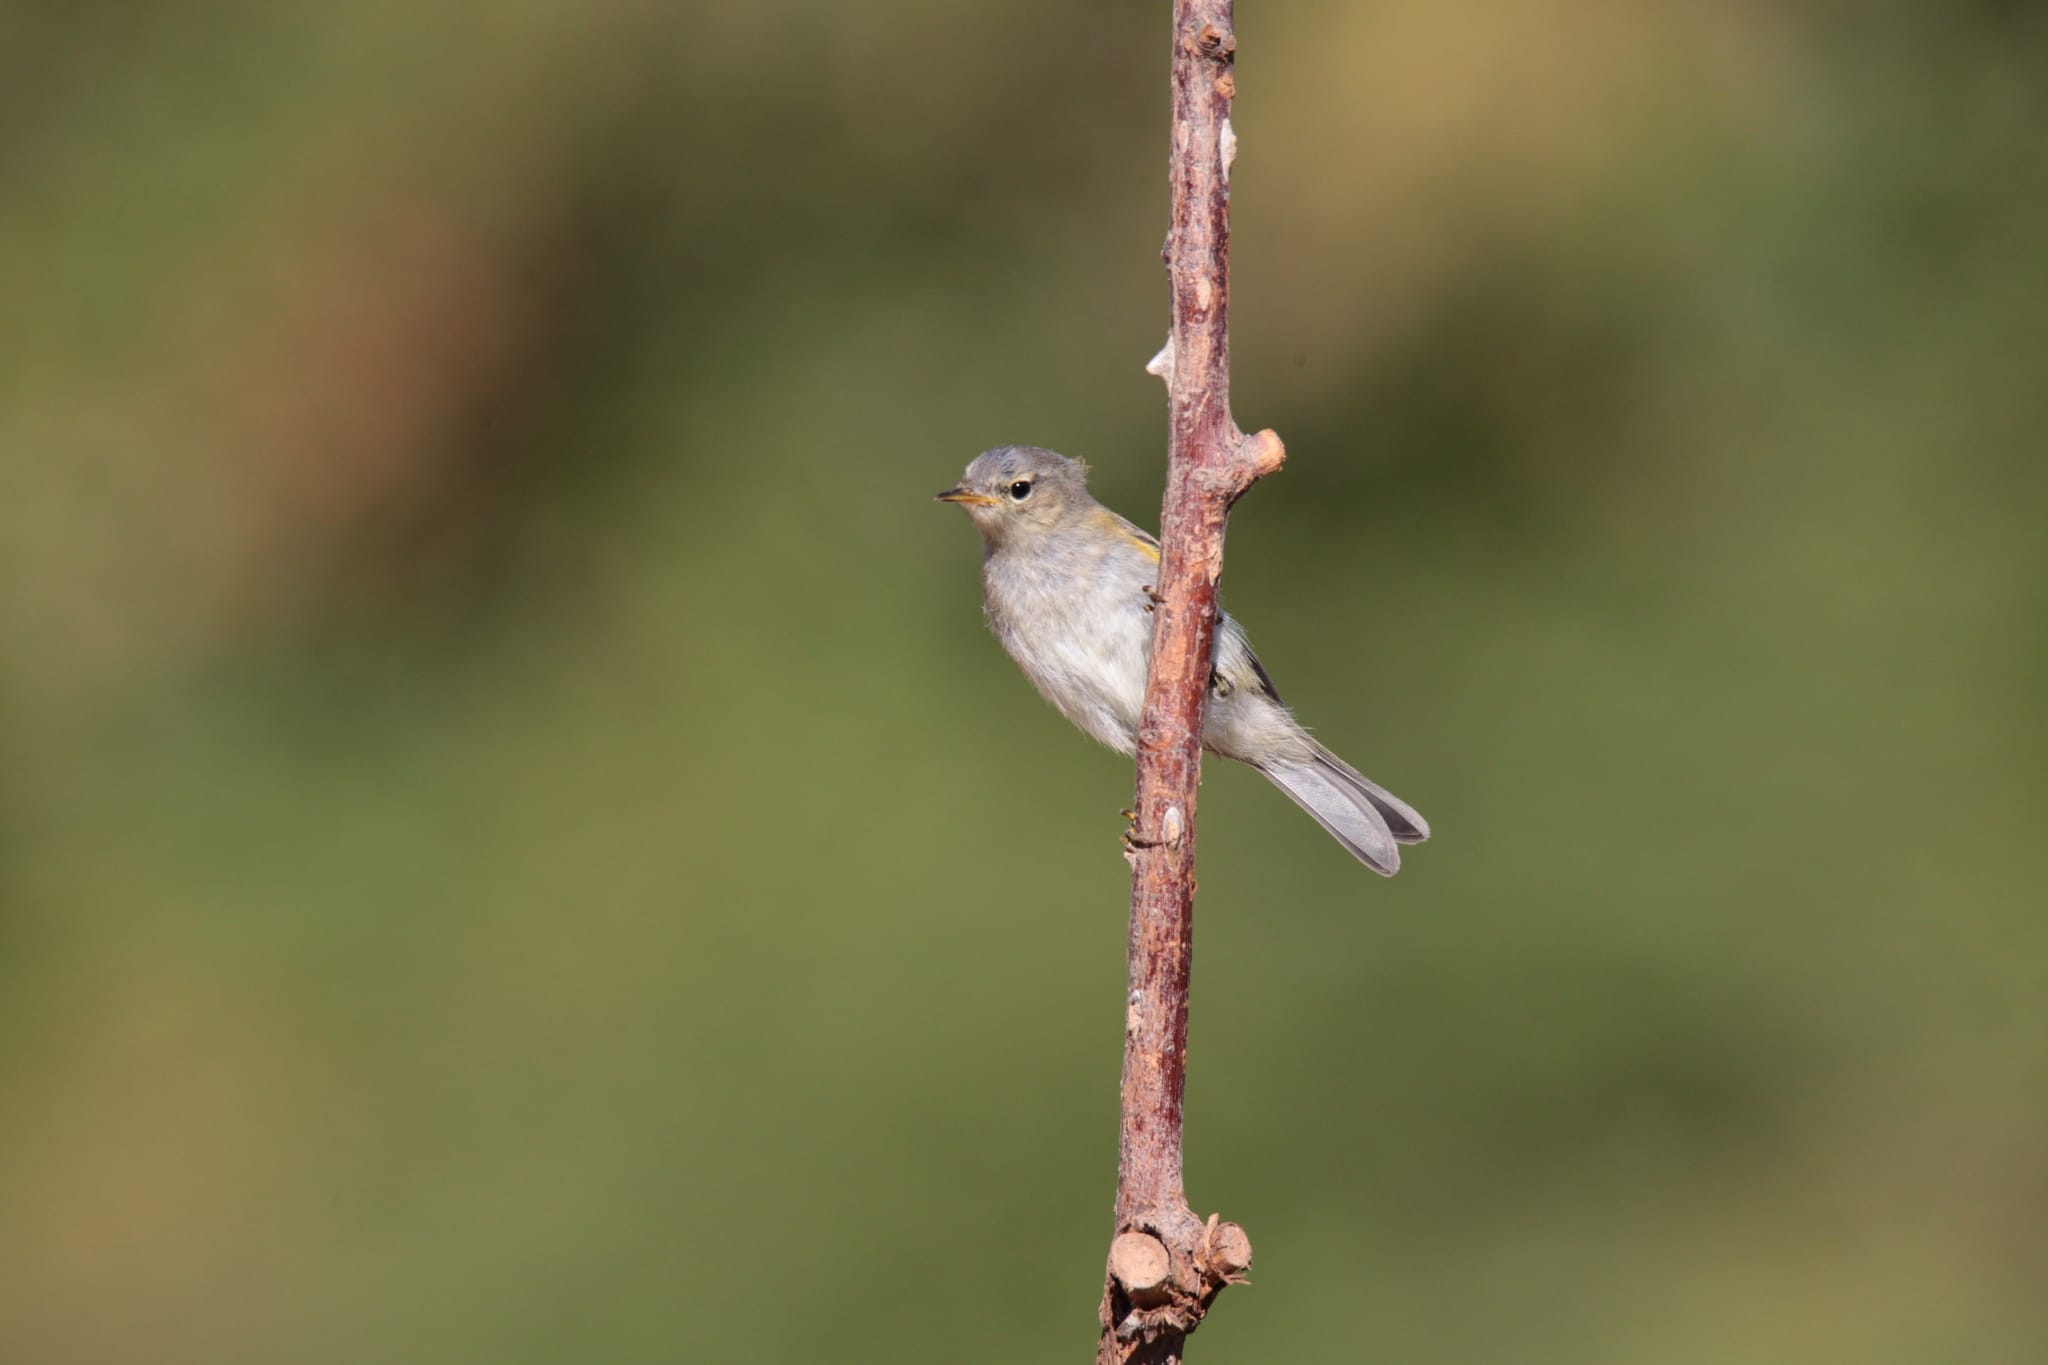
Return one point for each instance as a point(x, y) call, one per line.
point(1084, 651)
point(1086, 647)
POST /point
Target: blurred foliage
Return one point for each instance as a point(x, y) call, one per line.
point(516, 846)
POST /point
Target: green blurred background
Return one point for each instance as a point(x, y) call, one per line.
point(516, 845)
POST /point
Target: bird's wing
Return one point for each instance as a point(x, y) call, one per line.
point(1135, 534)
point(1235, 663)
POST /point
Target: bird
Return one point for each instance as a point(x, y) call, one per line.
point(1068, 587)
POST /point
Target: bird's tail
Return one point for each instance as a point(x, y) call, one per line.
point(1370, 821)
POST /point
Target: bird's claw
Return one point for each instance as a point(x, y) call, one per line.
point(1132, 841)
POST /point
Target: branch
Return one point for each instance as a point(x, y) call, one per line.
point(1167, 1265)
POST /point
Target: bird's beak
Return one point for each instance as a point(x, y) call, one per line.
point(962, 495)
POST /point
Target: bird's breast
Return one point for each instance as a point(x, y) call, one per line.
point(1074, 619)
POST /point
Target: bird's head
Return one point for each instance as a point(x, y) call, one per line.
point(1015, 492)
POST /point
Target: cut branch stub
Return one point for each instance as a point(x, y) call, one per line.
point(1226, 1252)
point(1160, 1286)
point(1143, 1267)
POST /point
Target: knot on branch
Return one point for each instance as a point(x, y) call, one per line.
point(1214, 41)
point(1156, 1290)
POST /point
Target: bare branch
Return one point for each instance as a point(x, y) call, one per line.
point(1146, 1317)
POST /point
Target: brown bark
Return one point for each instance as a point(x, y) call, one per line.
point(1210, 462)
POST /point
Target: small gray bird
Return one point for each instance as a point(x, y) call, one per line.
point(1067, 585)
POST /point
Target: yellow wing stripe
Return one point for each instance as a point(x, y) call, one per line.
point(1112, 522)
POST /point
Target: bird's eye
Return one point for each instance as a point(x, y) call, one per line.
point(1020, 490)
